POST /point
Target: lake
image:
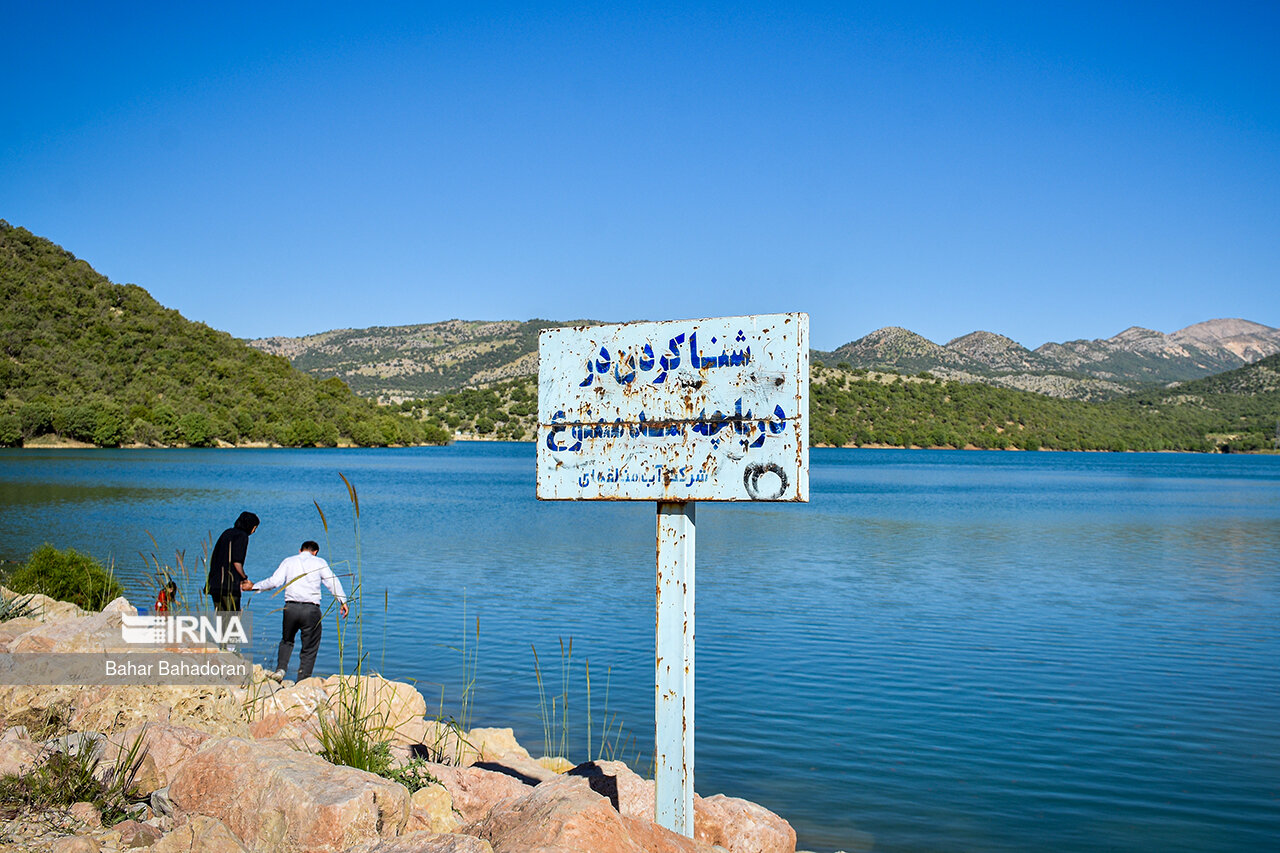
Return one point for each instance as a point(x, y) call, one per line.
point(943, 650)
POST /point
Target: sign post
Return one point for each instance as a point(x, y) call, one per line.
point(675, 412)
point(673, 705)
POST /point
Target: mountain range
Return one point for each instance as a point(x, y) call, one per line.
point(395, 363)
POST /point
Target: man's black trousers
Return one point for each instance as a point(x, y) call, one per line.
point(300, 616)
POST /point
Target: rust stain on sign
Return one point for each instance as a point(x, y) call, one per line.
point(713, 409)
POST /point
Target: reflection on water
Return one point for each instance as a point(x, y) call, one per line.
point(943, 650)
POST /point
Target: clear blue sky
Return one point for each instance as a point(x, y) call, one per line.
point(1047, 171)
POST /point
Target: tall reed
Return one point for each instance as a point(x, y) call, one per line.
point(554, 711)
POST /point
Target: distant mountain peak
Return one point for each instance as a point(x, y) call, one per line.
point(994, 351)
point(1217, 330)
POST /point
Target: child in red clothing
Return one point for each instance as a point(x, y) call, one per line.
point(167, 597)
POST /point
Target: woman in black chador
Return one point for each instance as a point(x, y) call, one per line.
point(226, 563)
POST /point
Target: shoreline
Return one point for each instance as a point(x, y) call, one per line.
point(253, 765)
point(71, 444)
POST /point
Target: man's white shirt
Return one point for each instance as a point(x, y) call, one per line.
point(301, 576)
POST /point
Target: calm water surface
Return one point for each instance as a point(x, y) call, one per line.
point(942, 651)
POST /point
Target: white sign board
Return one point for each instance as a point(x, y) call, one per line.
point(686, 410)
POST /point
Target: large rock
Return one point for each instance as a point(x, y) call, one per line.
point(736, 825)
point(630, 793)
point(565, 815)
point(202, 833)
point(431, 809)
point(164, 748)
point(386, 706)
point(211, 709)
point(130, 834)
point(489, 744)
point(44, 608)
point(75, 844)
point(76, 633)
point(15, 628)
point(740, 826)
point(425, 842)
point(475, 791)
point(18, 757)
point(290, 713)
point(273, 797)
point(449, 744)
point(111, 709)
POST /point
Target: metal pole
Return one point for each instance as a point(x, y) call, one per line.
point(673, 712)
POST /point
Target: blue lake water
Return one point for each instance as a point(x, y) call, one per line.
point(943, 650)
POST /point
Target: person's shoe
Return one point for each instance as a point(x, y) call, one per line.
point(278, 675)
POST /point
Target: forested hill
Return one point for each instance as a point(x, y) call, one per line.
point(104, 363)
point(1236, 411)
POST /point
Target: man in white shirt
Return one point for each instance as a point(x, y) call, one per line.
point(301, 576)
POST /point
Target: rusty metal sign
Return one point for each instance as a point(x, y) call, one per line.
point(686, 410)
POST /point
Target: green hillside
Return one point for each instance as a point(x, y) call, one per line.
point(854, 407)
point(1233, 412)
point(1238, 410)
point(93, 361)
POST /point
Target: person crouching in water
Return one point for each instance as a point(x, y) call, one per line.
point(301, 576)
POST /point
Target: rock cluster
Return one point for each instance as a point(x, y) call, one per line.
point(232, 769)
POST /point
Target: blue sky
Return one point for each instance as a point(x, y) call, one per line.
point(1048, 172)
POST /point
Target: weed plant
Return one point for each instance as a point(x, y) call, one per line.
point(18, 607)
point(61, 778)
point(190, 581)
point(613, 741)
point(353, 729)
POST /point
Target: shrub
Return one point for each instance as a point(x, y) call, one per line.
point(60, 779)
point(10, 430)
point(67, 576)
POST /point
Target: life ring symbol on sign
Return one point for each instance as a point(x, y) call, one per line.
point(751, 479)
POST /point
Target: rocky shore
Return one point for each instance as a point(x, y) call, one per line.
point(231, 769)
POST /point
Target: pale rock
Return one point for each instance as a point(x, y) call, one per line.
point(384, 705)
point(494, 743)
point(444, 742)
point(740, 826)
point(425, 842)
point(557, 764)
point(303, 735)
point(289, 713)
point(525, 769)
point(15, 733)
point(132, 834)
point(202, 833)
point(75, 844)
point(46, 609)
point(301, 701)
point(475, 790)
point(15, 628)
point(161, 805)
point(276, 798)
point(17, 757)
point(164, 748)
point(211, 709)
point(431, 809)
point(87, 814)
point(414, 731)
point(631, 794)
point(75, 743)
point(736, 825)
point(76, 633)
point(107, 708)
point(565, 815)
